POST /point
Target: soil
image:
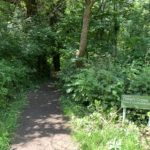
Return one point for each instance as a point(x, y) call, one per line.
point(42, 125)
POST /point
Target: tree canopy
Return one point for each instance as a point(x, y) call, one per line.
point(99, 49)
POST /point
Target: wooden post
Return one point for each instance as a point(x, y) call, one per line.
point(149, 122)
point(124, 114)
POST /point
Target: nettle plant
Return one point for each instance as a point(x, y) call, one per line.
point(93, 83)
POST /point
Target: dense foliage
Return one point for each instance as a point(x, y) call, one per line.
point(38, 36)
point(108, 74)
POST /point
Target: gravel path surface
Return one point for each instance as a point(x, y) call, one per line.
point(42, 126)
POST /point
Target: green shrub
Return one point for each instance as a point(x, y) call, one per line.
point(136, 78)
point(12, 78)
point(141, 82)
point(93, 83)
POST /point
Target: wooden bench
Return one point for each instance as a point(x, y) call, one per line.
point(135, 101)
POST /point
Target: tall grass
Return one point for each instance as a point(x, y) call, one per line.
point(98, 131)
point(8, 120)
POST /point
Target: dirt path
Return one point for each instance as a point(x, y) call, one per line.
point(43, 126)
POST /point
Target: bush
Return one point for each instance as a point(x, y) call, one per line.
point(94, 83)
point(136, 78)
point(141, 82)
point(12, 78)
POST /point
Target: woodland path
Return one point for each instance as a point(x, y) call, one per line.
point(42, 126)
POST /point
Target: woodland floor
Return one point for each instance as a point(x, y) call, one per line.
point(42, 125)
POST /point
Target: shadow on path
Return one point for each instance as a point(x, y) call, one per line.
point(43, 126)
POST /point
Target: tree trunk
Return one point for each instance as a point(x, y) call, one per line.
point(42, 65)
point(54, 17)
point(115, 29)
point(56, 61)
point(85, 27)
point(43, 68)
point(31, 6)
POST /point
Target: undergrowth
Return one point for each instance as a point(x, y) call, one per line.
point(8, 120)
point(98, 131)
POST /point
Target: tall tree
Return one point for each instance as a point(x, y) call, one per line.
point(85, 27)
point(57, 11)
point(116, 27)
point(42, 65)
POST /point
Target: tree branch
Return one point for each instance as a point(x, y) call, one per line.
point(12, 1)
